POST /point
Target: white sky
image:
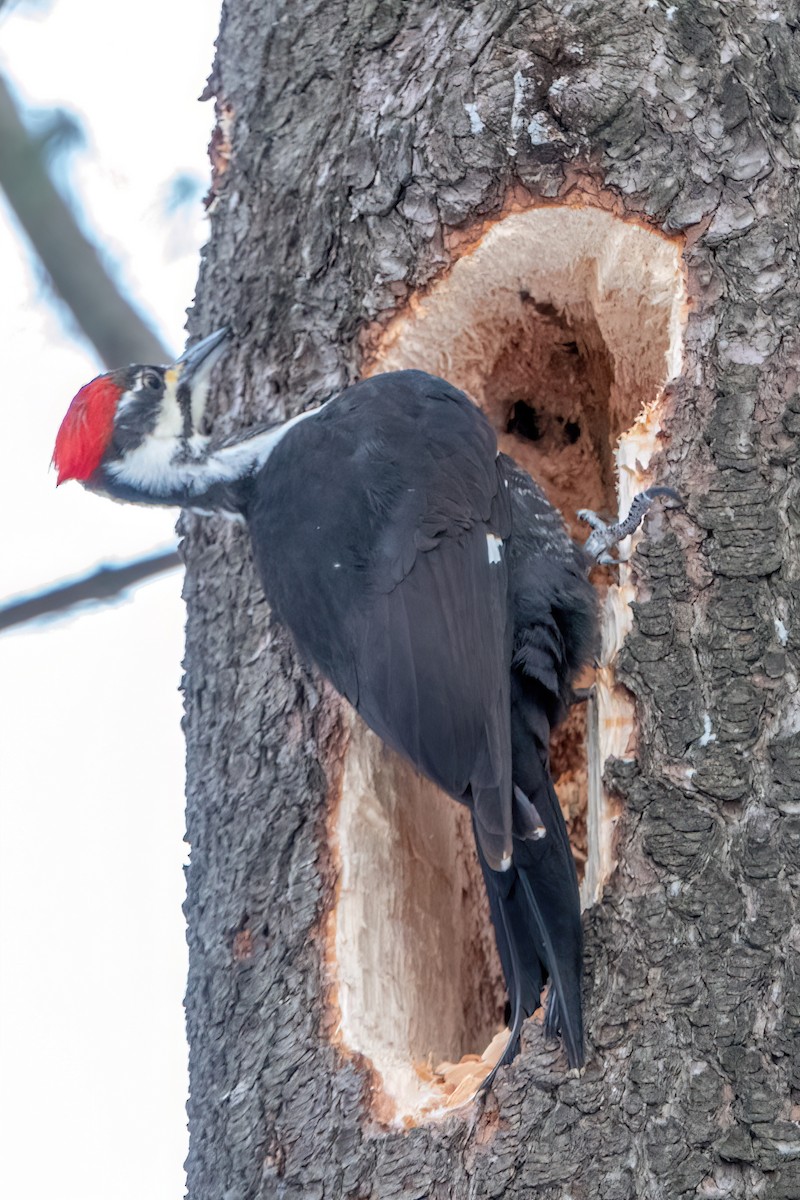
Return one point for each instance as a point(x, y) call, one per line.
point(91, 763)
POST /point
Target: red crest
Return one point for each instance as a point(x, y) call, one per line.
point(86, 430)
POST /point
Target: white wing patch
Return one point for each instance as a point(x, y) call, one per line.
point(493, 546)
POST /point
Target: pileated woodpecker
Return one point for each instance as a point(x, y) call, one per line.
point(426, 576)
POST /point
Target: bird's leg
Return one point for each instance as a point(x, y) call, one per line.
point(600, 541)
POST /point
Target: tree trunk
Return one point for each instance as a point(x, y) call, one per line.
point(585, 214)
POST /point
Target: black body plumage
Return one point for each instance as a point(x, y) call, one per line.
point(425, 575)
point(434, 585)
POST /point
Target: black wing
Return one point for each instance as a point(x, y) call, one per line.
point(386, 557)
point(536, 905)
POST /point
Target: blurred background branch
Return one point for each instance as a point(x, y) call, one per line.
point(116, 330)
point(105, 584)
point(107, 174)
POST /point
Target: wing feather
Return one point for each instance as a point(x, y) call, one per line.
point(383, 572)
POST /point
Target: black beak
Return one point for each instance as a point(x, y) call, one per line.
point(202, 355)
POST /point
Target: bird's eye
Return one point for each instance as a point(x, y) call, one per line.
point(151, 381)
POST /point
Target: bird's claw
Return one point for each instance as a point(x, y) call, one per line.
point(591, 518)
point(600, 541)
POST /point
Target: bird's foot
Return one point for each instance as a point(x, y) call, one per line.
point(603, 537)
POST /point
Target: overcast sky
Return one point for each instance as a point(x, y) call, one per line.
point(91, 762)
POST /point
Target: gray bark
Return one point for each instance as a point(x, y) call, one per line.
point(344, 157)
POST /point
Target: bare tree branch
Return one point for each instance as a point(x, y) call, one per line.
point(115, 328)
point(103, 585)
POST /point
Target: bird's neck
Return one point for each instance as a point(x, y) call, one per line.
point(193, 472)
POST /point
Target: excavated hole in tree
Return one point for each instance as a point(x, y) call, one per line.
point(564, 324)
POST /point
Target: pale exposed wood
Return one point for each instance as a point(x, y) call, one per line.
point(582, 313)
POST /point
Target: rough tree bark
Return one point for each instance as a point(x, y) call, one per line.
point(355, 142)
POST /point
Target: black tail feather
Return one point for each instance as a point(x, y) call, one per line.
point(515, 990)
point(535, 908)
point(564, 1006)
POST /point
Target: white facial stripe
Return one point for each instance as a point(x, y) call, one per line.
point(169, 423)
point(125, 401)
point(169, 466)
point(170, 417)
point(200, 391)
point(154, 467)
